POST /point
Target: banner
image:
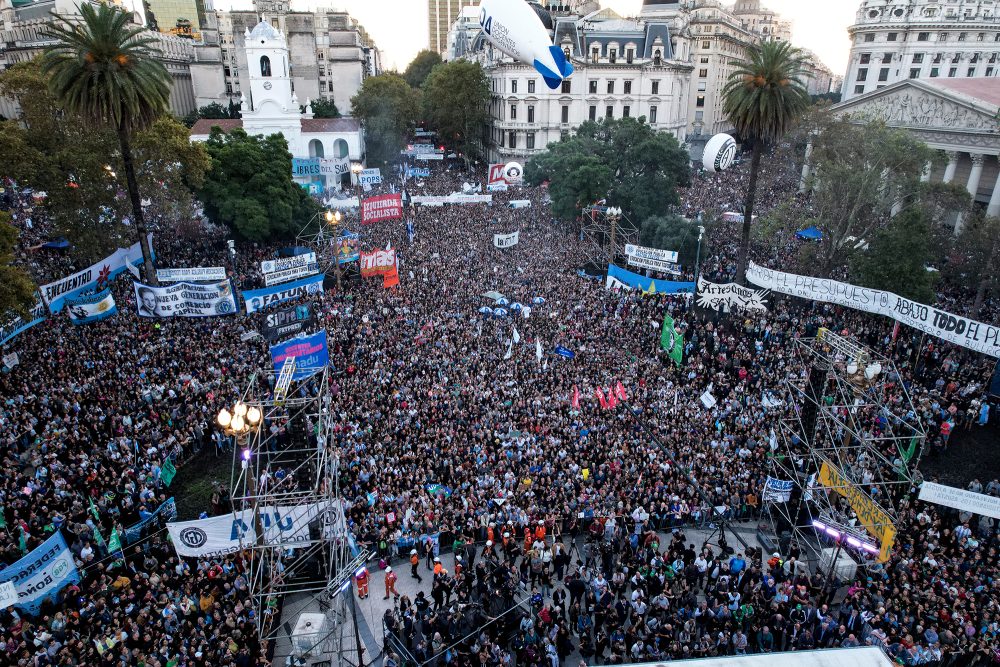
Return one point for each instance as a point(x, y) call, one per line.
point(91, 308)
point(383, 207)
point(519, 203)
point(730, 295)
point(642, 253)
point(8, 594)
point(259, 299)
point(335, 167)
point(370, 177)
point(505, 240)
point(870, 514)
point(304, 167)
point(277, 271)
point(278, 325)
point(96, 276)
point(453, 198)
point(310, 354)
point(167, 511)
point(960, 499)
point(955, 329)
point(418, 172)
point(777, 490)
point(377, 262)
point(195, 274)
point(41, 574)
point(185, 300)
point(671, 340)
point(14, 324)
point(348, 248)
point(622, 278)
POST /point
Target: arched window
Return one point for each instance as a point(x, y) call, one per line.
point(265, 66)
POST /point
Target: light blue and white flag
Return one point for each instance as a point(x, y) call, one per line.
point(91, 307)
point(777, 490)
point(41, 574)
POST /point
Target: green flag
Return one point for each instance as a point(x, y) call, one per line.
point(93, 509)
point(167, 471)
point(3, 518)
point(99, 538)
point(908, 454)
point(671, 341)
point(21, 542)
point(115, 543)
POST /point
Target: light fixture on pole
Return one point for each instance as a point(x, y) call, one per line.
point(614, 214)
point(697, 257)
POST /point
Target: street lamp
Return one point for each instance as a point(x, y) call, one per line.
point(333, 219)
point(356, 170)
point(614, 214)
point(697, 257)
point(240, 421)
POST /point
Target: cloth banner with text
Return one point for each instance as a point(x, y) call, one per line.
point(377, 262)
point(259, 299)
point(96, 276)
point(194, 274)
point(185, 300)
point(42, 573)
point(382, 207)
point(960, 499)
point(310, 353)
point(956, 329)
point(92, 307)
point(726, 296)
point(777, 490)
point(284, 269)
point(506, 240)
point(664, 261)
point(623, 279)
point(287, 322)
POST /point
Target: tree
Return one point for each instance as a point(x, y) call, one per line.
point(17, 291)
point(975, 259)
point(323, 108)
point(762, 98)
point(250, 188)
point(623, 161)
point(105, 70)
point(388, 108)
point(673, 232)
point(456, 104)
point(420, 67)
point(213, 111)
point(897, 257)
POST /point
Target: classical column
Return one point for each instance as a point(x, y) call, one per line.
point(993, 210)
point(805, 165)
point(949, 171)
point(925, 175)
point(972, 185)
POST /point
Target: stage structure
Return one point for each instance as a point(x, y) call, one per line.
point(288, 512)
point(850, 445)
point(322, 234)
point(606, 231)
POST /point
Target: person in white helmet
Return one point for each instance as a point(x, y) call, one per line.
point(390, 584)
point(415, 565)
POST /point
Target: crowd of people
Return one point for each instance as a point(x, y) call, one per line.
point(452, 443)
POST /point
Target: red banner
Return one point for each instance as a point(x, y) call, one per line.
point(496, 176)
point(383, 207)
point(377, 262)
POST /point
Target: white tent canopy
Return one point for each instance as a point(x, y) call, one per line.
point(864, 656)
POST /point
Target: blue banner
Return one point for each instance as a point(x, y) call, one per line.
point(14, 324)
point(259, 299)
point(92, 307)
point(619, 277)
point(310, 353)
point(306, 167)
point(565, 352)
point(41, 574)
point(166, 511)
point(418, 172)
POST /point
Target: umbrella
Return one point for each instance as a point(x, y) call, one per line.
point(502, 301)
point(538, 300)
point(516, 306)
point(500, 312)
point(486, 309)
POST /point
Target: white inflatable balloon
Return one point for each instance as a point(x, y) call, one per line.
point(513, 27)
point(513, 173)
point(720, 153)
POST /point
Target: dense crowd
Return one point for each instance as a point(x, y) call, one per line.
point(451, 445)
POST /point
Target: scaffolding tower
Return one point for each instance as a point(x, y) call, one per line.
point(288, 511)
point(605, 234)
point(850, 444)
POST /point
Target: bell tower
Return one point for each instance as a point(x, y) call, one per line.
point(272, 107)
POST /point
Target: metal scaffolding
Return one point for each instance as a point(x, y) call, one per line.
point(606, 234)
point(851, 443)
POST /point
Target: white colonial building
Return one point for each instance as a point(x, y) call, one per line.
point(270, 106)
point(893, 40)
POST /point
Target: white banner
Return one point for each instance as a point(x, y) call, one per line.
point(960, 499)
point(194, 274)
point(955, 329)
point(730, 295)
point(641, 252)
point(654, 264)
point(10, 360)
point(185, 300)
point(453, 198)
point(777, 490)
point(370, 177)
point(97, 276)
point(505, 240)
point(8, 594)
point(334, 166)
point(277, 271)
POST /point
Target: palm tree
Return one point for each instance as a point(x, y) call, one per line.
point(762, 99)
point(103, 69)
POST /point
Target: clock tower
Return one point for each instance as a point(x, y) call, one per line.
point(272, 106)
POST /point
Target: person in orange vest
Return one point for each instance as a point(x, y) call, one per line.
point(540, 531)
point(490, 534)
point(458, 565)
point(437, 566)
point(390, 583)
point(414, 564)
point(528, 539)
point(361, 577)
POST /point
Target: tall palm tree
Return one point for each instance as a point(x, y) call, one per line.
point(103, 68)
point(762, 99)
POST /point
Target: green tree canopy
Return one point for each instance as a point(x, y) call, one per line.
point(673, 232)
point(456, 104)
point(323, 108)
point(388, 108)
point(213, 111)
point(420, 67)
point(623, 160)
point(897, 258)
point(17, 291)
point(250, 188)
point(974, 258)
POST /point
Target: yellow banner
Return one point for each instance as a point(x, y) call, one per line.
point(871, 516)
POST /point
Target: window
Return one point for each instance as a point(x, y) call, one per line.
point(225, 71)
point(702, 73)
point(652, 115)
point(700, 101)
point(658, 56)
point(863, 74)
point(531, 114)
point(513, 112)
point(918, 58)
point(989, 71)
point(265, 66)
point(567, 87)
point(595, 54)
point(934, 72)
point(513, 85)
point(699, 116)
point(529, 140)
point(706, 44)
point(704, 60)
point(883, 74)
point(914, 72)
point(981, 37)
point(593, 113)
point(512, 139)
point(886, 58)
point(656, 88)
point(612, 55)
point(859, 90)
point(702, 86)
point(609, 112)
point(502, 136)
point(937, 58)
point(866, 58)
point(972, 72)
point(626, 111)
point(565, 113)
point(923, 36)
point(952, 72)
point(961, 36)
point(563, 135)
point(891, 37)
point(229, 88)
point(870, 37)
point(329, 86)
point(592, 86)
point(943, 37)
point(628, 87)
point(611, 87)
point(531, 85)
point(629, 56)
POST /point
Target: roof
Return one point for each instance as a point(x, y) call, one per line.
point(985, 89)
point(309, 125)
point(264, 31)
point(205, 125)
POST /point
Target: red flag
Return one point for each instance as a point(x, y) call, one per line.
point(895, 331)
point(612, 401)
point(575, 401)
point(600, 398)
point(620, 391)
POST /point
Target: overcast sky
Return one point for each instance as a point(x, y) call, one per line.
point(400, 26)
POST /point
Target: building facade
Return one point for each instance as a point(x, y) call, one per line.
point(895, 40)
point(441, 16)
